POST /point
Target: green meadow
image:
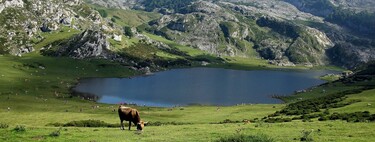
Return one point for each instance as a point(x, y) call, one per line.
point(35, 94)
point(35, 88)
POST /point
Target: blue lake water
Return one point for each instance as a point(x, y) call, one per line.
point(207, 86)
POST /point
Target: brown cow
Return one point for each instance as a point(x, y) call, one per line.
point(131, 115)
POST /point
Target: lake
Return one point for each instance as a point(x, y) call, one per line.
point(206, 86)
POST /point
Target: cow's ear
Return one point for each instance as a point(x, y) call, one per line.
point(145, 123)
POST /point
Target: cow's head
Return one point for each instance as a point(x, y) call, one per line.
point(141, 125)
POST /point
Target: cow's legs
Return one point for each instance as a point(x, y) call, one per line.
point(130, 124)
point(122, 125)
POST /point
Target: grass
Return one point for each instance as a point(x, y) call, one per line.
point(131, 18)
point(246, 138)
point(39, 107)
point(327, 131)
point(34, 92)
point(189, 50)
point(330, 77)
point(50, 37)
point(367, 100)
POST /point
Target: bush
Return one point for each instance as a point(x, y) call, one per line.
point(3, 126)
point(323, 118)
point(229, 121)
point(113, 20)
point(353, 117)
point(89, 123)
point(55, 133)
point(246, 138)
point(306, 136)
point(85, 123)
point(128, 32)
point(317, 104)
point(278, 120)
point(103, 13)
point(19, 128)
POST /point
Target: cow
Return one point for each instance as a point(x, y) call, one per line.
point(131, 115)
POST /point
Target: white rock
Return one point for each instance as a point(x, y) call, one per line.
point(13, 3)
point(2, 7)
point(117, 37)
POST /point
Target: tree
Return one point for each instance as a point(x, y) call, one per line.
point(128, 31)
point(103, 13)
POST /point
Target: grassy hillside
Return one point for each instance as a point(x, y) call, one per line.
point(122, 17)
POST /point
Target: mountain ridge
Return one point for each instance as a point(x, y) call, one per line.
point(288, 32)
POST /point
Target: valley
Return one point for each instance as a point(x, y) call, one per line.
point(44, 55)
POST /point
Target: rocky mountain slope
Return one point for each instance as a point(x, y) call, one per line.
point(25, 23)
point(228, 29)
point(310, 32)
point(287, 32)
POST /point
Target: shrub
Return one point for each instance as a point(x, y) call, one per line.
point(246, 138)
point(19, 128)
point(316, 104)
point(278, 120)
point(229, 121)
point(89, 123)
point(3, 126)
point(85, 123)
point(113, 20)
point(103, 13)
point(306, 135)
point(55, 133)
point(128, 31)
point(323, 118)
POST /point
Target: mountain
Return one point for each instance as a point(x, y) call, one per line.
point(285, 32)
point(26, 23)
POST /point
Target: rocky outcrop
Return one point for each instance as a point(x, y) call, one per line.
point(349, 55)
point(200, 28)
point(273, 8)
point(317, 7)
point(221, 28)
point(121, 4)
point(29, 19)
point(89, 44)
point(357, 5)
point(11, 4)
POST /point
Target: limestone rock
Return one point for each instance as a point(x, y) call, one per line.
point(88, 44)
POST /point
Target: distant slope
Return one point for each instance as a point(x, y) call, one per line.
point(286, 32)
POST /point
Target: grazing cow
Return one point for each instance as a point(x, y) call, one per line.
point(131, 115)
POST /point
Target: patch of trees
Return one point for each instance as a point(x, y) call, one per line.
point(316, 104)
point(283, 28)
point(128, 31)
point(176, 5)
point(103, 13)
point(362, 22)
point(364, 116)
point(316, 7)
